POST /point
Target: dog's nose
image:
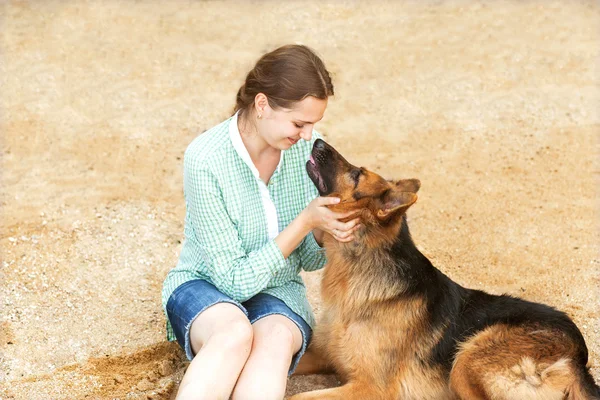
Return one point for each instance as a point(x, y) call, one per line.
point(319, 144)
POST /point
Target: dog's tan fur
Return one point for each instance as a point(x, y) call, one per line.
point(518, 363)
point(376, 340)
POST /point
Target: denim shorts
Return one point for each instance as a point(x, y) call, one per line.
point(191, 298)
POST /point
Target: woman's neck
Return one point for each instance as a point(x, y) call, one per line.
point(257, 147)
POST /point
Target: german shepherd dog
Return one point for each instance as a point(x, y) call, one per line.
point(395, 327)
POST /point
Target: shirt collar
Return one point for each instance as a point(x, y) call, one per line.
point(240, 148)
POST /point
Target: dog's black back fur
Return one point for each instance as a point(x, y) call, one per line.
point(462, 312)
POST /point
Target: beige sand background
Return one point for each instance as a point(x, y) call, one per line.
point(493, 105)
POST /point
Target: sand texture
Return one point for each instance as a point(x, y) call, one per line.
point(494, 106)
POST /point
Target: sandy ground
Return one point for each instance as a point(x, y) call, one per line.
point(494, 106)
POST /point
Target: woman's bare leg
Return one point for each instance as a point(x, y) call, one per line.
point(264, 377)
point(221, 338)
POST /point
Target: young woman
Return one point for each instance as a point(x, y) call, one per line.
point(235, 302)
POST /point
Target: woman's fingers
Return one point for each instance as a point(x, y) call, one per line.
point(351, 224)
point(341, 234)
point(335, 216)
point(346, 239)
point(341, 231)
point(327, 201)
point(344, 231)
point(346, 226)
point(338, 215)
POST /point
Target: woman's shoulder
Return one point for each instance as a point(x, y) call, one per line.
point(209, 144)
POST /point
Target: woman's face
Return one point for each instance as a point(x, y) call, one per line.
point(283, 127)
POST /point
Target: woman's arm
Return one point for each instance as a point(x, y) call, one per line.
point(312, 254)
point(315, 218)
point(233, 270)
point(293, 234)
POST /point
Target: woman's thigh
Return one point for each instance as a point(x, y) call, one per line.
point(272, 318)
point(222, 320)
point(197, 310)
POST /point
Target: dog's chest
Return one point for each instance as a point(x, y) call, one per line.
point(359, 341)
point(380, 351)
point(384, 346)
point(347, 340)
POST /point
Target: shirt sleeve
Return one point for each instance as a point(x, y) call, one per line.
point(312, 256)
point(236, 273)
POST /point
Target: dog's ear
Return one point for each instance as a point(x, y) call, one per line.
point(408, 185)
point(396, 202)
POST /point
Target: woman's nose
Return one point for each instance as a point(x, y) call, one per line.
point(306, 133)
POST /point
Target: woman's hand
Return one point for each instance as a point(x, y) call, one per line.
point(318, 216)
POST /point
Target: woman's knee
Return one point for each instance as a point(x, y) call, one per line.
point(224, 325)
point(236, 335)
point(277, 332)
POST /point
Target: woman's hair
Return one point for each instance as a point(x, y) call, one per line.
point(286, 75)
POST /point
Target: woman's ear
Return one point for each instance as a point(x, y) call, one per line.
point(261, 102)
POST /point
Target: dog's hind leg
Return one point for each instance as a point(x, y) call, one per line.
point(464, 383)
point(506, 363)
point(525, 380)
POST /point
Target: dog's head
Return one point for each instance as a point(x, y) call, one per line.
point(379, 202)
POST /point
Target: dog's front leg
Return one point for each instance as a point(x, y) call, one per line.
point(350, 391)
point(312, 363)
point(324, 394)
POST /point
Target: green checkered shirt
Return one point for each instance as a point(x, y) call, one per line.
point(226, 228)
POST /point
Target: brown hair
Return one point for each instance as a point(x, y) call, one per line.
point(286, 75)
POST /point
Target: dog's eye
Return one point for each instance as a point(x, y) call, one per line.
point(355, 175)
